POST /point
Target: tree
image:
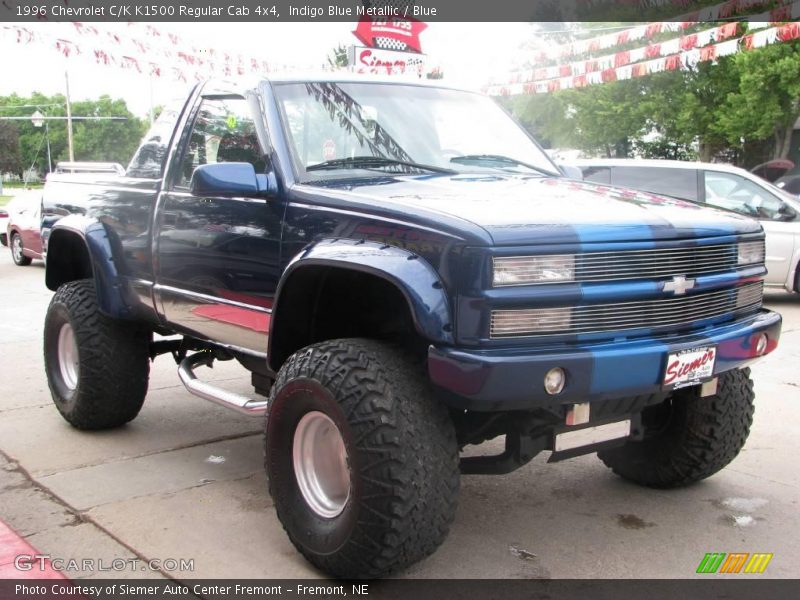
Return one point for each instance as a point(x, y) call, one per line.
point(10, 157)
point(93, 140)
point(727, 108)
point(545, 116)
point(435, 73)
point(337, 59)
point(607, 118)
point(604, 118)
point(765, 104)
point(113, 141)
point(681, 108)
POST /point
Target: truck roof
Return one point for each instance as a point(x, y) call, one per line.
point(250, 82)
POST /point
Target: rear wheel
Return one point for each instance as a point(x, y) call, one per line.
point(688, 438)
point(97, 367)
point(16, 251)
point(362, 459)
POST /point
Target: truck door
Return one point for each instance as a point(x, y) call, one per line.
point(217, 258)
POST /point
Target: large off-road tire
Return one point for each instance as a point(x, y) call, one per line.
point(16, 251)
point(97, 367)
point(362, 460)
point(688, 438)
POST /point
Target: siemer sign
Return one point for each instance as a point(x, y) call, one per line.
point(386, 62)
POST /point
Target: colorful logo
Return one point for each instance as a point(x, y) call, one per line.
point(735, 562)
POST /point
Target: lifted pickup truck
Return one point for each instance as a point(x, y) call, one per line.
point(405, 273)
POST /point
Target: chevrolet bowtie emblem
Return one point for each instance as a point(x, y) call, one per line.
point(679, 285)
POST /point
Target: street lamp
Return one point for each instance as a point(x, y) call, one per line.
point(38, 119)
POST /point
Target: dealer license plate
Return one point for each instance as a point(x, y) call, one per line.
point(690, 367)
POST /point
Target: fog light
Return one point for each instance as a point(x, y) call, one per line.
point(554, 381)
point(761, 344)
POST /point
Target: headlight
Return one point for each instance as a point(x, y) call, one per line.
point(750, 253)
point(524, 270)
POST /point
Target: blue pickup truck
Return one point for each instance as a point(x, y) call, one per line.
point(404, 273)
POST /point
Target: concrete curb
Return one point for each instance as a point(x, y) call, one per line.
point(13, 545)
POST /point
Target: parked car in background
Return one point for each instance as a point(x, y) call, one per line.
point(773, 170)
point(790, 183)
point(720, 186)
point(3, 226)
point(23, 230)
point(21, 199)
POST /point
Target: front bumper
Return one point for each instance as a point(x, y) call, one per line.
point(512, 379)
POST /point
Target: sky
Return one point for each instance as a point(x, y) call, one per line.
point(468, 53)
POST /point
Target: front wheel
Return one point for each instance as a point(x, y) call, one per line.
point(362, 460)
point(688, 438)
point(17, 255)
point(97, 367)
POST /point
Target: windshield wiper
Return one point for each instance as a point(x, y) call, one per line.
point(372, 162)
point(498, 158)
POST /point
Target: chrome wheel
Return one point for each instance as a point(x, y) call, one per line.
point(320, 464)
point(68, 362)
point(16, 248)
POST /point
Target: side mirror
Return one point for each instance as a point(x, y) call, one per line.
point(571, 171)
point(227, 179)
point(786, 212)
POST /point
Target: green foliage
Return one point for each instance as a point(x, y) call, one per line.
point(10, 157)
point(661, 148)
point(600, 119)
point(93, 140)
point(338, 57)
point(766, 102)
point(436, 73)
point(113, 141)
point(730, 108)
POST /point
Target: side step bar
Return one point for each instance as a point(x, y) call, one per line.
point(239, 403)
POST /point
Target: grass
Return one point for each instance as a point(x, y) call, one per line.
point(17, 185)
point(4, 199)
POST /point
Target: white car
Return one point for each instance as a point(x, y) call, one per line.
point(722, 186)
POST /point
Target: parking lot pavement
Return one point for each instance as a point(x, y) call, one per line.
point(185, 481)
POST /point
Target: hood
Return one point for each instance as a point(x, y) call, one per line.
point(523, 210)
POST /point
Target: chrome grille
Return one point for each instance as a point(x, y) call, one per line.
point(655, 264)
point(676, 313)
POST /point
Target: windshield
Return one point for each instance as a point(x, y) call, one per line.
point(336, 130)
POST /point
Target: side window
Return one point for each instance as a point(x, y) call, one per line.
point(677, 183)
point(223, 131)
point(736, 193)
point(597, 174)
point(148, 161)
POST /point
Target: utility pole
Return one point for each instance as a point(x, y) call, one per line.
point(49, 159)
point(69, 121)
point(38, 119)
